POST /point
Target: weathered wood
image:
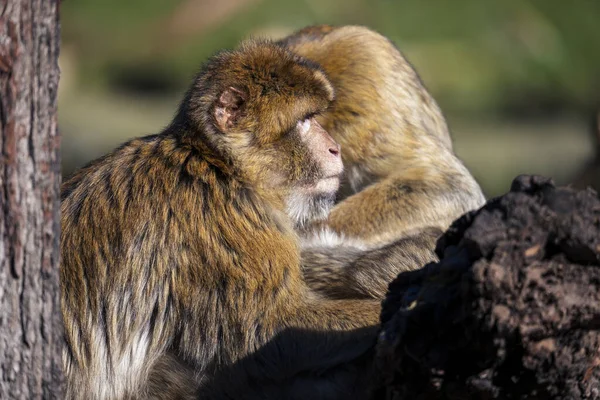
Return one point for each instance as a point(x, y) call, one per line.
point(30, 325)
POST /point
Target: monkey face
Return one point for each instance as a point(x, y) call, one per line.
point(303, 164)
point(263, 115)
point(314, 172)
point(325, 153)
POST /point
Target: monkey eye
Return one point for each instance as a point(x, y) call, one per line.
point(304, 125)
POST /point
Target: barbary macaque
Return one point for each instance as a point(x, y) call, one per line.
point(402, 185)
point(180, 262)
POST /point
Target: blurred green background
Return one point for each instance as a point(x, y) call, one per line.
point(518, 80)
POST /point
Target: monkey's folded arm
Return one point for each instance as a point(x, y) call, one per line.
point(346, 271)
point(389, 209)
point(323, 333)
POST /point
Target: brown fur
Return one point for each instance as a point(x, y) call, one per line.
point(402, 178)
point(177, 253)
point(401, 172)
point(351, 271)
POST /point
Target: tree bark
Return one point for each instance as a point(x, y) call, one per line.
point(30, 324)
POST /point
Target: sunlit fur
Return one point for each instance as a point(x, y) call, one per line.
point(179, 262)
point(403, 185)
point(396, 147)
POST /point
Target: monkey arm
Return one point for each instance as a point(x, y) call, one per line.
point(315, 340)
point(316, 355)
point(322, 333)
point(349, 272)
point(412, 199)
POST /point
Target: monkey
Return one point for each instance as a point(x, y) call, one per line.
point(348, 269)
point(396, 142)
point(403, 185)
point(180, 260)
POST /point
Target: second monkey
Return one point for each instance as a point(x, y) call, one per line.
point(403, 183)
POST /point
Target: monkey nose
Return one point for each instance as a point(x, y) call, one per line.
point(335, 150)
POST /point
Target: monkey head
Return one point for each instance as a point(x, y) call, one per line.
point(256, 108)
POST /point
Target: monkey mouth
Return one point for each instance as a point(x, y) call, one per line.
point(328, 184)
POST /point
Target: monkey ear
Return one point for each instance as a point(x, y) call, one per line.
point(228, 107)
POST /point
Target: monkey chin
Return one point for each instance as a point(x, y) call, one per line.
point(308, 205)
point(328, 185)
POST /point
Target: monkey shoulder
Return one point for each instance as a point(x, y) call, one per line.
point(155, 195)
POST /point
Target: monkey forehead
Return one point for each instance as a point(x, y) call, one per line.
point(309, 33)
point(282, 86)
point(271, 69)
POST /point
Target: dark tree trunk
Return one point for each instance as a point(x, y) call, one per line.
point(30, 325)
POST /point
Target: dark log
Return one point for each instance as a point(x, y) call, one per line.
point(512, 310)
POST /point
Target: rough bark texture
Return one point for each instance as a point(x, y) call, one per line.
point(30, 325)
point(512, 310)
